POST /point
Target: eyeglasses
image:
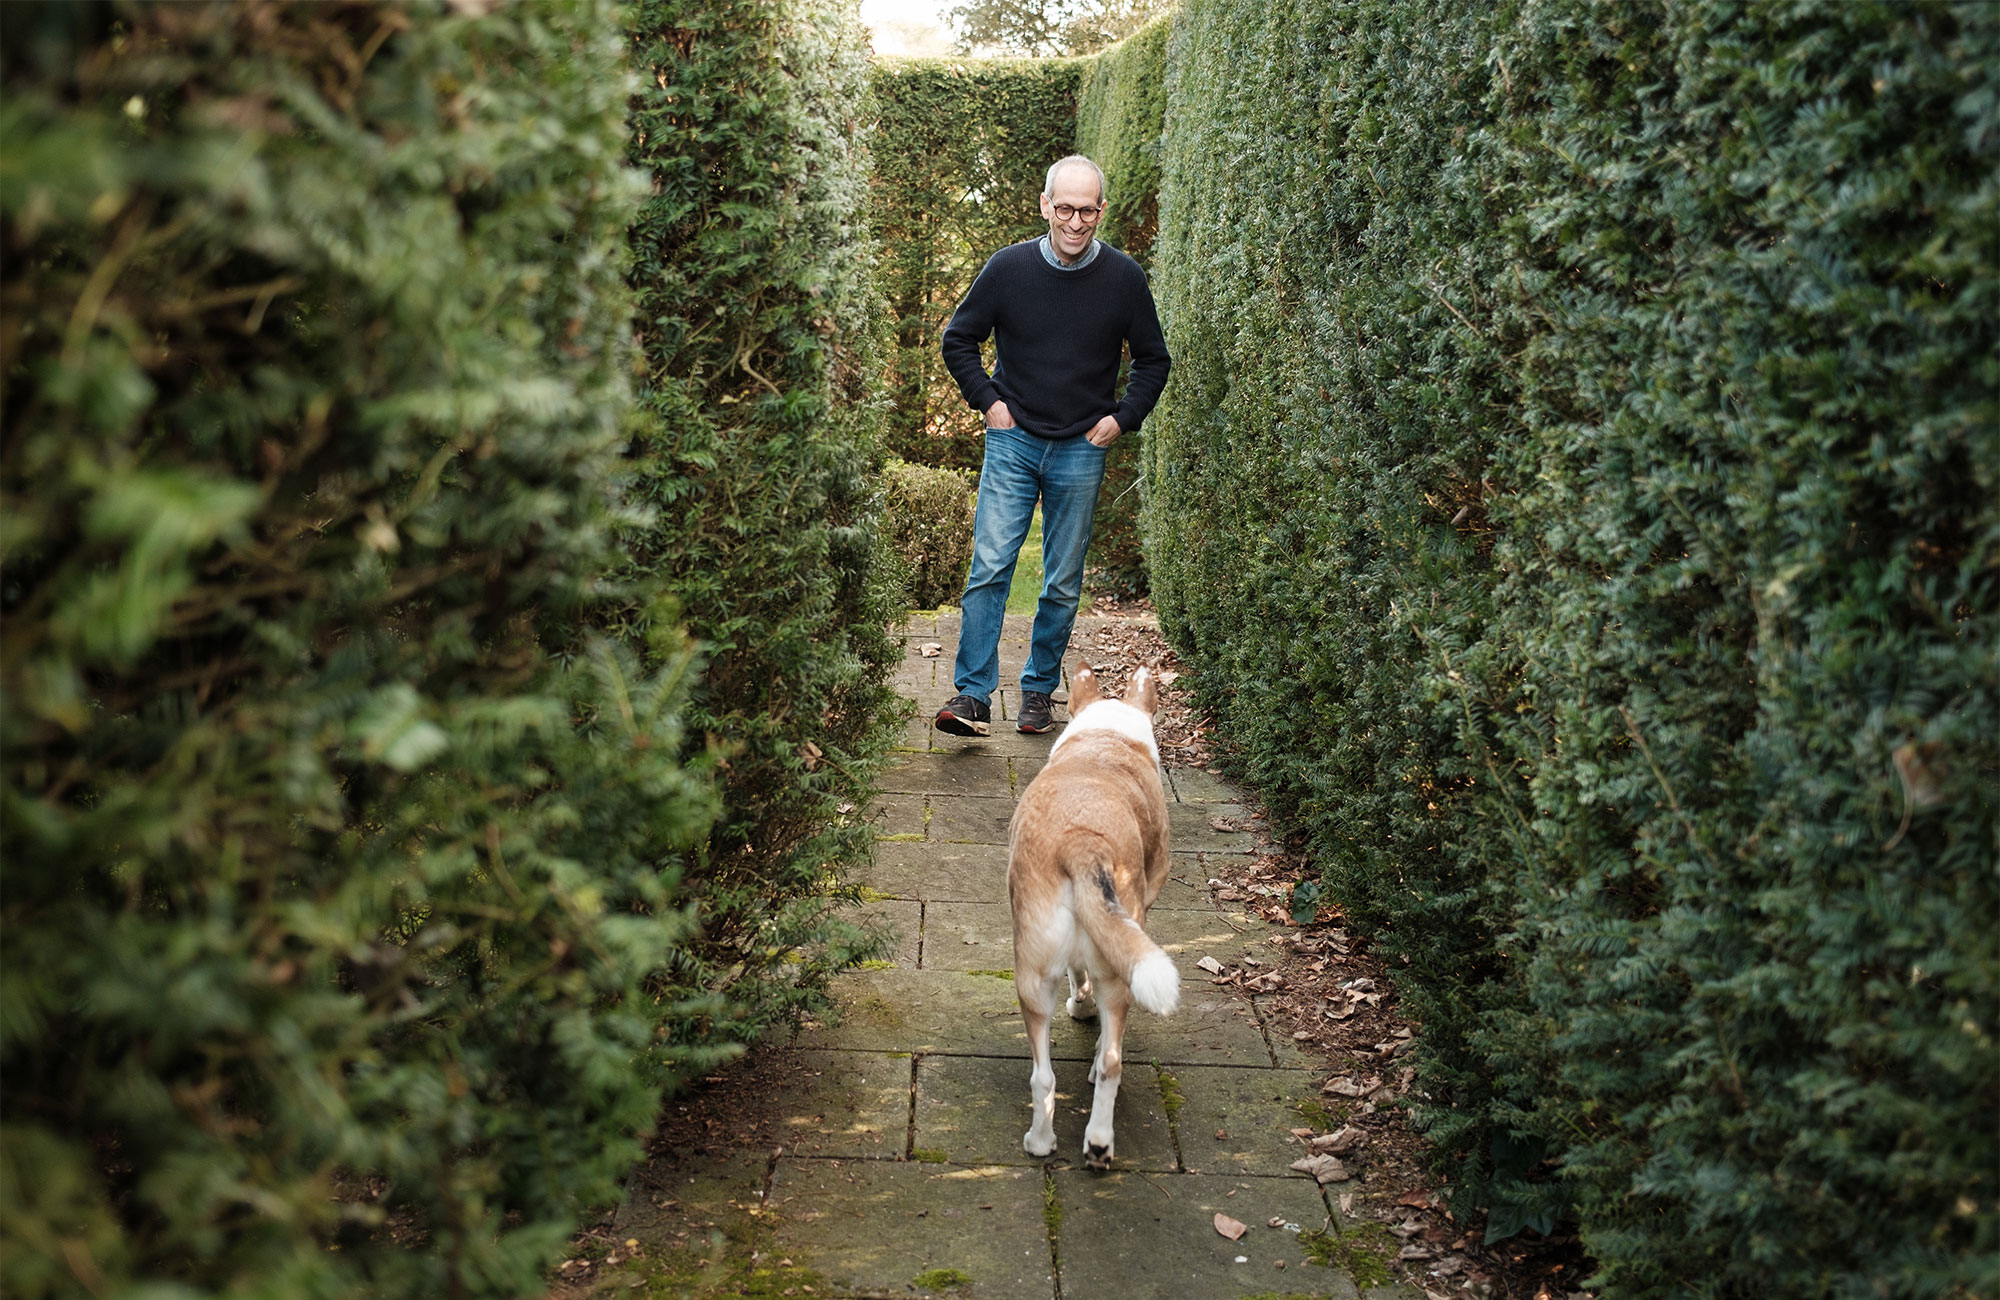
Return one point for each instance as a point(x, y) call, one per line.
point(1064, 212)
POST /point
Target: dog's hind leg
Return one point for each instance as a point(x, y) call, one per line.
point(1037, 1003)
point(1106, 1073)
point(1082, 1005)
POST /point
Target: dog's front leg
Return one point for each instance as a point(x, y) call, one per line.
point(1040, 1139)
point(1108, 1070)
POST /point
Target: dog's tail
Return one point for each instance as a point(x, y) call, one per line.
point(1122, 945)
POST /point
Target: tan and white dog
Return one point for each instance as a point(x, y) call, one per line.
point(1087, 856)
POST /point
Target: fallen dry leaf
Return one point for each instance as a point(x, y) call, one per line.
point(1230, 1228)
point(1211, 965)
point(1324, 1169)
point(1338, 1144)
point(1345, 1088)
point(929, 649)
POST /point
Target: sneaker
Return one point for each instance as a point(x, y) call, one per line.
point(965, 716)
point(1036, 715)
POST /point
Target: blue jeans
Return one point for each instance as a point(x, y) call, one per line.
point(1020, 467)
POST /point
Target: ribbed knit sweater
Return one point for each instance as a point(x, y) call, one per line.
point(1057, 338)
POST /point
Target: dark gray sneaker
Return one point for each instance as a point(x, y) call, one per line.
point(1036, 715)
point(965, 716)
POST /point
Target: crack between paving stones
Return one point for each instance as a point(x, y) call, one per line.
point(910, 1128)
point(1052, 1220)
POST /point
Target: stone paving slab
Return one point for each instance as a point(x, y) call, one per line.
point(950, 773)
point(1212, 1027)
point(904, 918)
point(923, 1011)
point(873, 1228)
point(975, 1109)
point(898, 816)
point(1195, 785)
point(968, 936)
point(970, 820)
point(1138, 1237)
point(1188, 828)
point(963, 873)
point(1239, 1121)
point(848, 1104)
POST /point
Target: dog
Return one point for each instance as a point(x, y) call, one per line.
point(1087, 855)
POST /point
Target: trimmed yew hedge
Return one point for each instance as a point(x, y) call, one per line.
point(379, 846)
point(1580, 492)
point(756, 459)
point(960, 150)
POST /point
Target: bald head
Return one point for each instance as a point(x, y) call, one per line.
point(1075, 170)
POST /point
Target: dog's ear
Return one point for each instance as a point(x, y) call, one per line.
point(1083, 690)
point(1145, 692)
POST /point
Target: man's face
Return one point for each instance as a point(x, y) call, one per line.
point(1076, 191)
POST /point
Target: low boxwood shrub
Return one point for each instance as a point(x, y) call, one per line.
point(929, 522)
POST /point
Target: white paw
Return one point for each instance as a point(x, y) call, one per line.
point(1081, 1008)
point(1038, 1146)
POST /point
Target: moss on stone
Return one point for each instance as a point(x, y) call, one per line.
point(1362, 1252)
point(928, 1155)
point(939, 1279)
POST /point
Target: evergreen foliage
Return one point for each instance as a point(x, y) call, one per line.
point(929, 522)
point(961, 147)
point(1121, 125)
point(1578, 490)
point(755, 458)
point(334, 907)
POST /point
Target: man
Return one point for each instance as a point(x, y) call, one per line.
point(1060, 308)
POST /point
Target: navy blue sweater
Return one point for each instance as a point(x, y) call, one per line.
point(1057, 337)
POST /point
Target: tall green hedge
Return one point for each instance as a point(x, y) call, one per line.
point(960, 149)
point(757, 460)
point(1121, 125)
point(1578, 488)
point(336, 936)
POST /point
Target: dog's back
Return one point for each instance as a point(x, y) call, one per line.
point(1087, 857)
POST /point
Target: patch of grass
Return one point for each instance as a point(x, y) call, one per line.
point(996, 974)
point(938, 1279)
point(1027, 589)
point(1362, 1252)
point(928, 1155)
point(875, 964)
point(907, 837)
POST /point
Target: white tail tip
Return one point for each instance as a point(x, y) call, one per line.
point(1156, 985)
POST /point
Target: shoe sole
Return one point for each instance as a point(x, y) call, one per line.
point(1028, 730)
point(953, 725)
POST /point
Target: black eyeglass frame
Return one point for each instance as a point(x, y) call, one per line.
point(1065, 212)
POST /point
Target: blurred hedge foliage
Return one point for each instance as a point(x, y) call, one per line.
point(757, 458)
point(1580, 491)
point(378, 845)
point(1121, 125)
point(960, 147)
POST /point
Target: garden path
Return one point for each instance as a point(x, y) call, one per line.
point(880, 1155)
